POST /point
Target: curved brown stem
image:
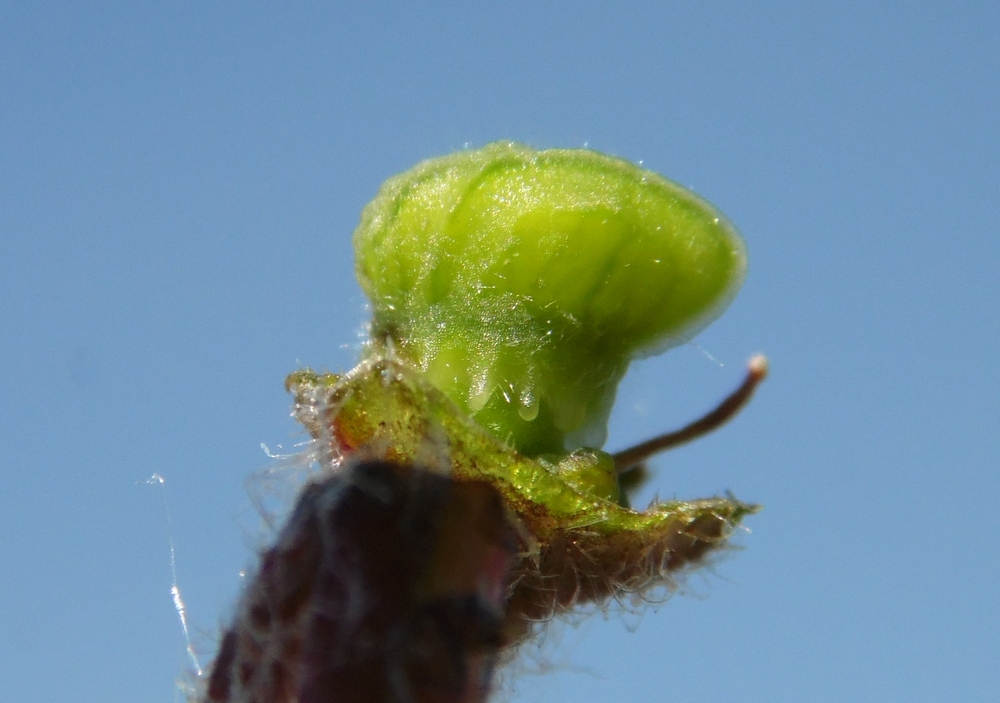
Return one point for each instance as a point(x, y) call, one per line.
point(725, 411)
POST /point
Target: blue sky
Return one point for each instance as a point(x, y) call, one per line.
point(178, 187)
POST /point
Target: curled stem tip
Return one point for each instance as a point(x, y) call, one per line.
point(726, 410)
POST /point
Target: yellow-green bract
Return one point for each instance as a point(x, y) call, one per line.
point(522, 282)
point(579, 544)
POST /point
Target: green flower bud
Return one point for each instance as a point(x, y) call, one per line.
point(522, 282)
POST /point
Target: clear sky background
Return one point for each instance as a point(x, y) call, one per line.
point(178, 187)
